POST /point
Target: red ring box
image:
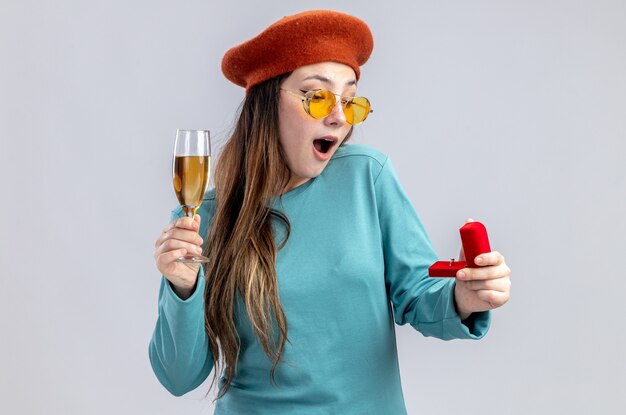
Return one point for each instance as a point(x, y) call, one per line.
point(475, 242)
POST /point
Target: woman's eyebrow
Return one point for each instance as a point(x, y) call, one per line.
point(328, 81)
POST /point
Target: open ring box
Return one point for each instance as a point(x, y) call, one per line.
point(475, 242)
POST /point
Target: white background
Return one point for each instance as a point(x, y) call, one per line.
point(509, 112)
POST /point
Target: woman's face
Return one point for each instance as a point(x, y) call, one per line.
point(301, 135)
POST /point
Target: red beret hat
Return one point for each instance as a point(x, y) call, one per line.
point(302, 39)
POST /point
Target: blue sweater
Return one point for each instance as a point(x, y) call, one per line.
point(357, 260)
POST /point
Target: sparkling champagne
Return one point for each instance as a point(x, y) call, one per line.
point(190, 174)
point(191, 179)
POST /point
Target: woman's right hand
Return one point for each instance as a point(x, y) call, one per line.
point(178, 239)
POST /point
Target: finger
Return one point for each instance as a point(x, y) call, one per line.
point(187, 223)
point(184, 223)
point(185, 235)
point(489, 258)
point(174, 244)
point(163, 235)
point(493, 298)
point(502, 285)
point(481, 273)
point(166, 258)
point(191, 236)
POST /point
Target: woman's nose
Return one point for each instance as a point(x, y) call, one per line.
point(336, 116)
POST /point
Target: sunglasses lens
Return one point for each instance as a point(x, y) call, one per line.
point(357, 110)
point(321, 104)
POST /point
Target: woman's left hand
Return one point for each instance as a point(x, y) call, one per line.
point(484, 288)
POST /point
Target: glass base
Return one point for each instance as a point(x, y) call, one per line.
point(193, 259)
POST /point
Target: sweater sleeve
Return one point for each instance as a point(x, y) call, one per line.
point(179, 349)
point(424, 302)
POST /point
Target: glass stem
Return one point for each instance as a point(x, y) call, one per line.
point(190, 211)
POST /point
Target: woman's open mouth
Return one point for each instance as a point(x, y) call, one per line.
point(323, 145)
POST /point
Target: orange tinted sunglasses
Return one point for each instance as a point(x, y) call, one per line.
point(320, 103)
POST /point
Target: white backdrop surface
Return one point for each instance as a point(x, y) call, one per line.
point(509, 112)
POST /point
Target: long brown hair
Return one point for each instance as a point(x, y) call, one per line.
point(251, 170)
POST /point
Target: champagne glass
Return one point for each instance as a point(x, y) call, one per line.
point(190, 172)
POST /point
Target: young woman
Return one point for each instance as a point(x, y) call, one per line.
point(315, 248)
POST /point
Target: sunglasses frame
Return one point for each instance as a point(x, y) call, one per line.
point(308, 96)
